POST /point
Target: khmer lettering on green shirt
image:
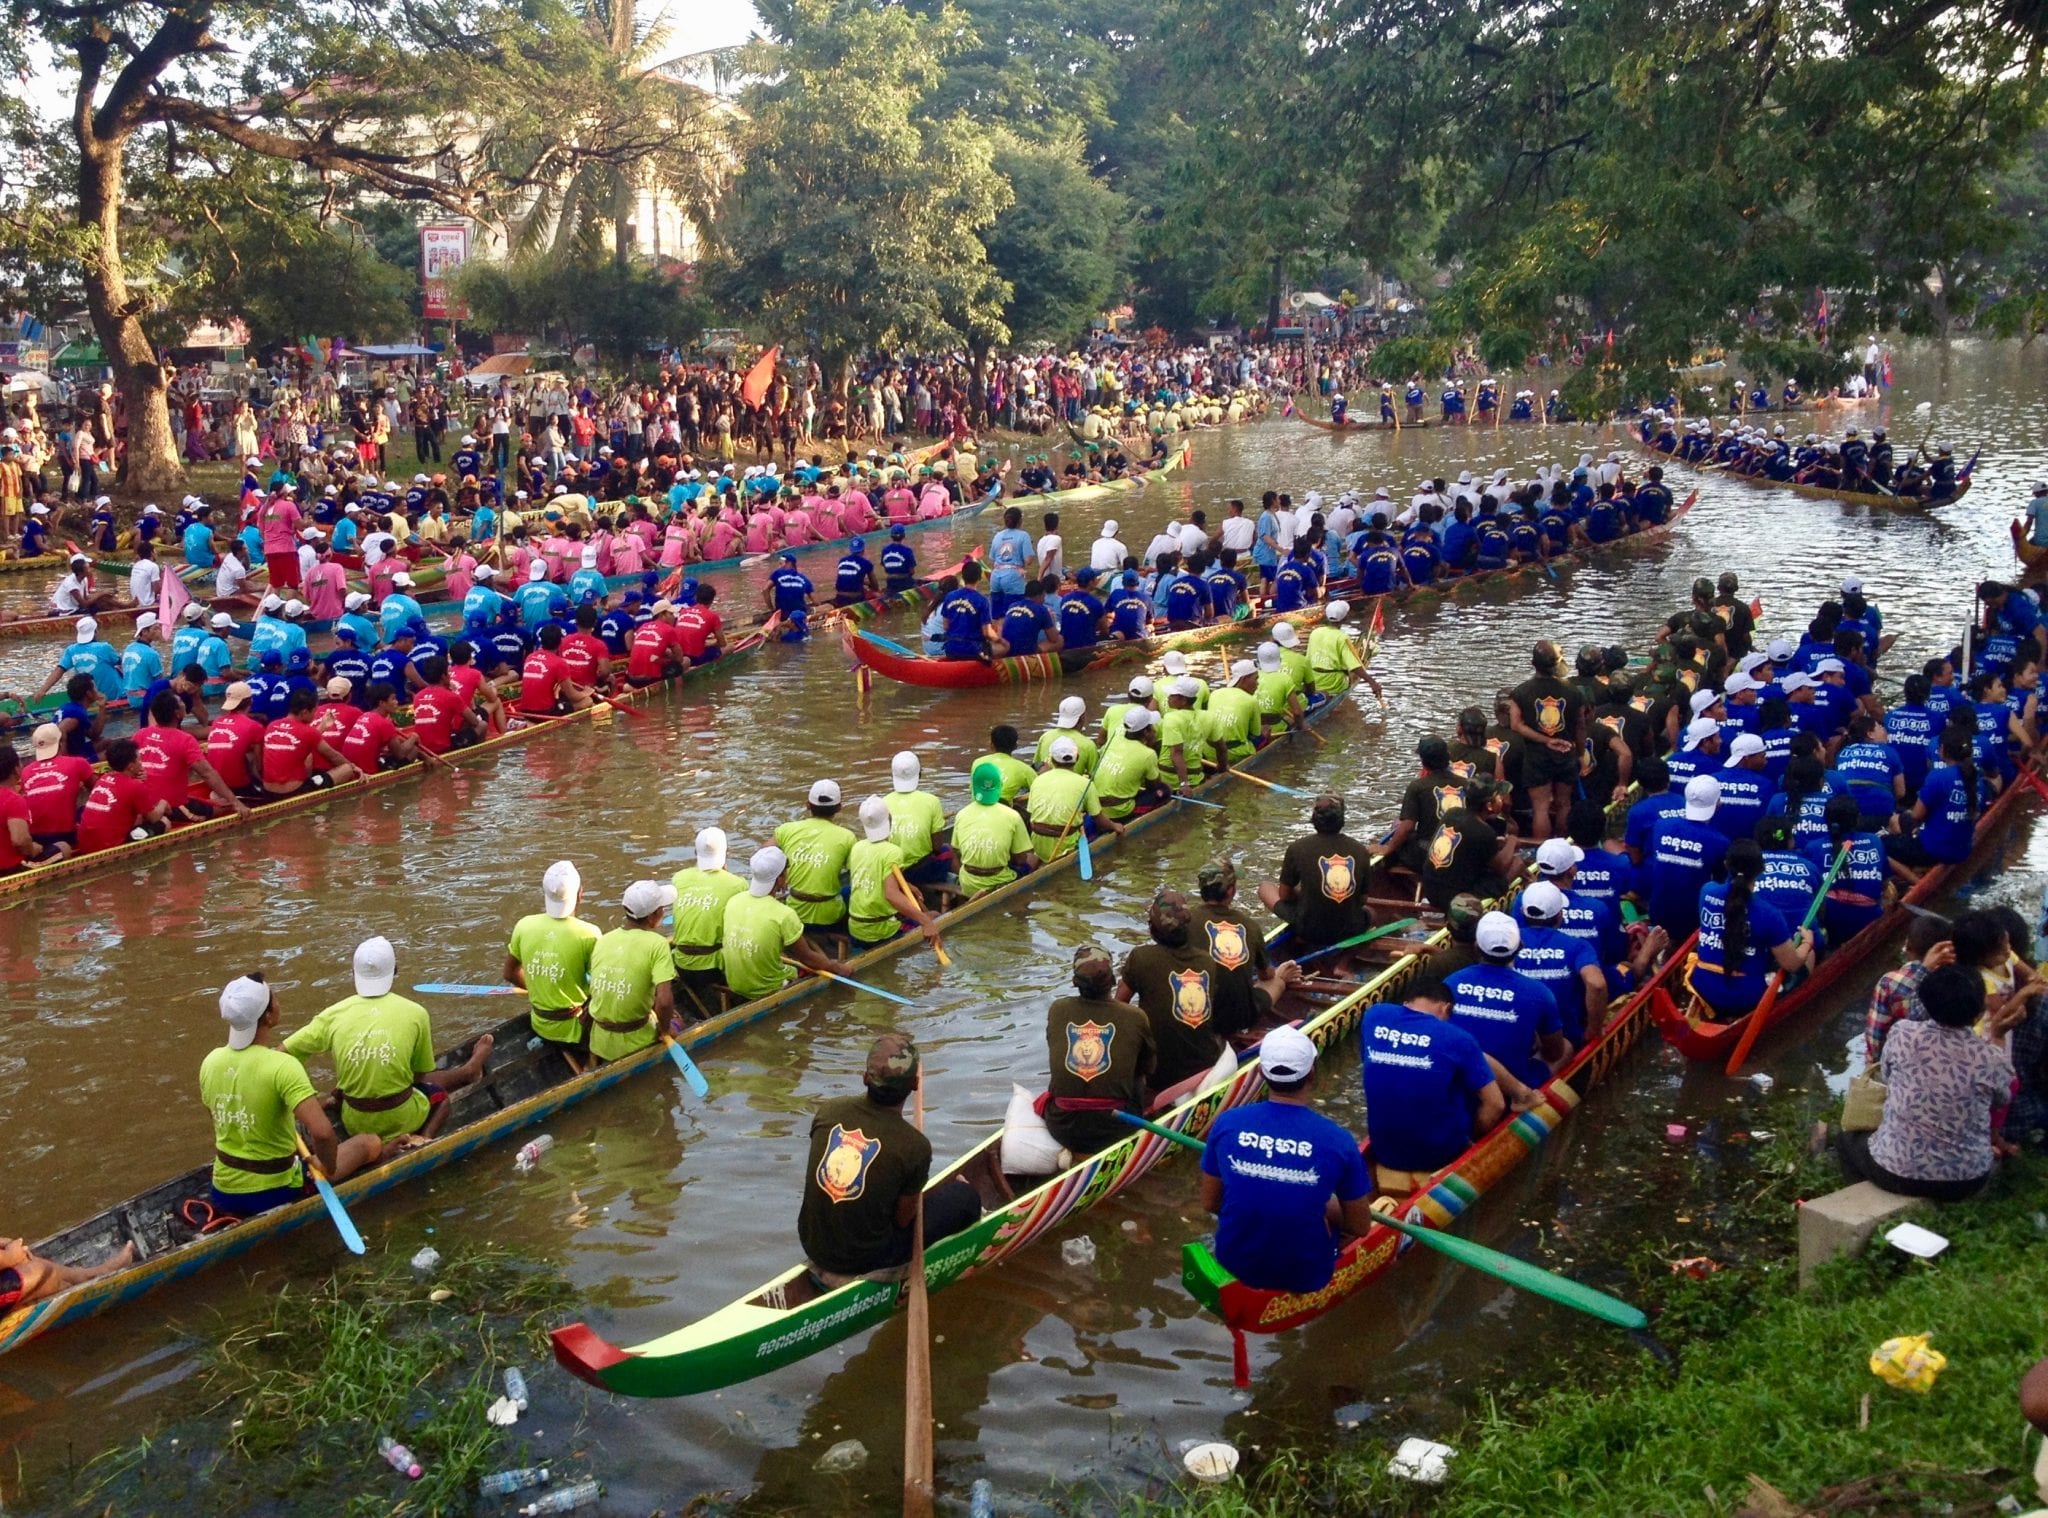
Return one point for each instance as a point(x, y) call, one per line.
point(1295, 662)
point(1017, 777)
point(1084, 749)
point(870, 917)
point(1331, 659)
point(1274, 689)
point(701, 896)
point(380, 1044)
point(1181, 727)
point(252, 1094)
point(817, 850)
point(1125, 767)
point(625, 967)
point(985, 838)
point(554, 954)
point(1233, 722)
point(1058, 798)
point(755, 933)
point(915, 819)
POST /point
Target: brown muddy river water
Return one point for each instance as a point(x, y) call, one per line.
point(660, 1208)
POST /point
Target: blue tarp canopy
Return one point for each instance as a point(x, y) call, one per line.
point(395, 350)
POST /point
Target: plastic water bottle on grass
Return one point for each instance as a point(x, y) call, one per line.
point(399, 1458)
point(515, 1386)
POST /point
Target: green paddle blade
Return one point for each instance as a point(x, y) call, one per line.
point(1520, 1273)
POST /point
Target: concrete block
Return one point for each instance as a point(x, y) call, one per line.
point(1842, 1222)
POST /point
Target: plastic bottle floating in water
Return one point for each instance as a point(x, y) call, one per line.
point(530, 1152)
point(505, 1483)
point(1910, 1363)
point(567, 1500)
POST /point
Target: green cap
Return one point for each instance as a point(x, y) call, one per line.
point(987, 783)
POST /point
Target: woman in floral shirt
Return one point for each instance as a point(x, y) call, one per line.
point(1942, 1081)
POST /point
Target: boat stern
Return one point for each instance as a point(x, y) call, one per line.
point(585, 1354)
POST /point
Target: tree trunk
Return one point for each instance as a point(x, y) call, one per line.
point(151, 464)
point(977, 384)
point(1273, 298)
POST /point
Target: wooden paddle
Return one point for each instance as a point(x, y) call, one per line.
point(917, 1363)
point(858, 985)
point(1755, 1026)
point(1271, 785)
point(1504, 1267)
point(343, 1223)
point(938, 948)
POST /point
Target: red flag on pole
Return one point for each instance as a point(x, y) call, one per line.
point(754, 388)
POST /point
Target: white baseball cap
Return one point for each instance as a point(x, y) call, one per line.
point(485, 572)
point(194, 611)
point(1268, 657)
point(222, 621)
point(145, 622)
point(1497, 935)
point(1745, 746)
point(339, 687)
point(295, 608)
point(1702, 795)
point(376, 966)
point(764, 869)
point(1137, 719)
point(590, 557)
point(1542, 902)
point(87, 628)
point(1782, 650)
point(537, 570)
point(1285, 635)
point(1698, 731)
point(152, 510)
point(1828, 667)
point(242, 1003)
point(1071, 711)
point(1797, 681)
point(1141, 688)
point(825, 793)
point(1337, 611)
point(1188, 688)
point(1851, 584)
point(1556, 856)
point(875, 820)
point(644, 898)
point(272, 602)
point(711, 849)
point(1065, 751)
point(402, 579)
point(559, 888)
point(1700, 700)
point(1738, 682)
point(1287, 1055)
point(904, 771)
point(355, 600)
point(1109, 528)
point(1174, 662)
point(47, 739)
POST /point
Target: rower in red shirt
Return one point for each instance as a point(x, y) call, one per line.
point(18, 847)
point(700, 631)
point(475, 688)
point(336, 714)
point(441, 719)
point(235, 740)
point(289, 746)
point(545, 689)
point(119, 807)
point(589, 661)
point(54, 787)
point(654, 653)
point(174, 766)
point(376, 735)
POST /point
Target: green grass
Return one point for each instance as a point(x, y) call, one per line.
point(298, 1399)
point(1772, 1383)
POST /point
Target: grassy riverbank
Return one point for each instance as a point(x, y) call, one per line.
point(1771, 1384)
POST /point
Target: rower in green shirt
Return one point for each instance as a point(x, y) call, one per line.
point(1334, 665)
point(1175, 663)
point(701, 894)
point(383, 1049)
point(1016, 776)
point(1068, 725)
point(1128, 771)
point(1061, 794)
point(879, 898)
point(1233, 715)
point(917, 824)
point(759, 933)
point(258, 1095)
point(1279, 698)
point(1287, 638)
point(988, 836)
point(632, 977)
point(817, 848)
point(1141, 689)
point(1182, 748)
point(549, 955)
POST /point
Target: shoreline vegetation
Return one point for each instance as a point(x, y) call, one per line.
point(1767, 1407)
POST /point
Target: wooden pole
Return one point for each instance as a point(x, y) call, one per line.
point(917, 1366)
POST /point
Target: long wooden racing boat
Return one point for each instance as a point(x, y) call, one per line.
point(34, 877)
point(47, 563)
point(1438, 1203)
point(522, 1086)
point(1823, 492)
point(911, 668)
point(1684, 1022)
point(1174, 463)
point(108, 619)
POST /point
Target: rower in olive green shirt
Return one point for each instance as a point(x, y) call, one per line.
point(1068, 724)
point(1334, 665)
point(879, 898)
point(1015, 774)
point(989, 837)
point(1233, 714)
point(1183, 752)
point(1129, 766)
point(1279, 696)
point(917, 818)
point(1062, 798)
point(549, 955)
point(701, 894)
point(632, 975)
point(817, 848)
point(759, 933)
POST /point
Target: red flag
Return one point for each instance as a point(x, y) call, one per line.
point(171, 600)
point(754, 388)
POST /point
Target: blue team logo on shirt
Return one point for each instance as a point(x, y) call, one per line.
point(1339, 875)
point(1088, 1046)
point(1191, 997)
point(843, 1172)
point(1227, 944)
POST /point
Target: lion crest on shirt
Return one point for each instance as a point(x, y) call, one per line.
point(1444, 847)
point(1340, 876)
point(1190, 996)
point(1088, 1046)
point(1448, 797)
point(1550, 714)
point(843, 1172)
point(1227, 944)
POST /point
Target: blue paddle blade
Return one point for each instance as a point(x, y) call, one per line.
point(457, 988)
point(688, 1066)
point(1214, 806)
point(343, 1223)
point(1087, 855)
point(893, 647)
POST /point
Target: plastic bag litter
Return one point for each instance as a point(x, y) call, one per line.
point(1909, 1362)
point(502, 1413)
point(1028, 1146)
point(1421, 1460)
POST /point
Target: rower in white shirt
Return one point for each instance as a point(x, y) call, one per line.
point(1107, 553)
point(232, 574)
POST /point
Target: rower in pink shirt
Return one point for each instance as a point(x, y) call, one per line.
point(825, 516)
point(461, 565)
point(627, 558)
point(760, 533)
point(899, 502)
point(857, 512)
point(518, 562)
point(675, 541)
point(327, 587)
point(379, 575)
point(721, 538)
point(934, 503)
point(798, 528)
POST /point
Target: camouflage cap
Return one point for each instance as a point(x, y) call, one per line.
point(1091, 960)
point(892, 1063)
point(1169, 916)
point(1217, 875)
point(1465, 910)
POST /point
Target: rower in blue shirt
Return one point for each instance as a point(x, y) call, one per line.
point(1080, 613)
point(899, 562)
point(389, 664)
point(1186, 603)
point(400, 608)
point(1746, 788)
point(615, 627)
point(1743, 937)
point(198, 539)
point(1419, 556)
point(1130, 609)
point(1026, 621)
point(1789, 880)
point(1685, 852)
point(788, 595)
point(1291, 582)
point(540, 601)
point(854, 580)
point(351, 663)
point(1379, 566)
point(1874, 770)
point(1653, 782)
point(1428, 1089)
point(586, 585)
point(89, 655)
point(966, 614)
point(273, 690)
point(482, 602)
point(1271, 1172)
point(1567, 965)
point(1011, 554)
point(1513, 1016)
point(141, 665)
point(1226, 585)
point(35, 534)
point(1593, 917)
